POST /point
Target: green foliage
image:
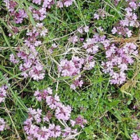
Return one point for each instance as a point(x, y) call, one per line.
point(107, 108)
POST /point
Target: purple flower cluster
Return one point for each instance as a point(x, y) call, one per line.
point(135, 137)
point(41, 95)
point(13, 59)
point(130, 20)
point(44, 3)
point(18, 16)
point(33, 125)
point(79, 121)
point(92, 44)
point(3, 93)
point(99, 14)
point(116, 64)
point(118, 60)
point(62, 3)
point(2, 124)
point(41, 14)
point(38, 14)
point(74, 67)
point(48, 3)
point(61, 112)
point(31, 66)
point(28, 54)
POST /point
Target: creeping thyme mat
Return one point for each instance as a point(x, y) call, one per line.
point(69, 70)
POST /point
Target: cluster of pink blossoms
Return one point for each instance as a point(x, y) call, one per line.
point(2, 124)
point(62, 3)
point(18, 16)
point(135, 137)
point(31, 66)
point(91, 46)
point(49, 3)
point(42, 13)
point(130, 20)
point(44, 3)
point(118, 60)
point(61, 112)
point(116, 63)
point(99, 14)
point(74, 67)
point(3, 92)
point(33, 125)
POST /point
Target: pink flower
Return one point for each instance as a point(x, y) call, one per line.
point(39, 14)
point(10, 5)
point(114, 30)
point(96, 16)
point(72, 123)
point(80, 121)
point(33, 130)
point(52, 102)
point(73, 39)
point(129, 33)
point(55, 131)
point(68, 131)
point(60, 4)
point(119, 58)
point(67, 68)
point(2, 124)
point(135, 137)
point(41, 95)
point(33, 126)
point(48, 116)
point(133, 5)
point(37, 72)
point(37, 2)
point(19, 16)
point(47, 3)
point(41, 29)
point(3, 93)
point(80, 30)
point(76, 83)
point(63, 112)
point(67, 3)
point(32, 40)
point(43, 133)
point(35, 114)
point(13, 60)
point(86, 29)
point(90, 46)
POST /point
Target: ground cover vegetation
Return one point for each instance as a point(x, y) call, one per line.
point(69, 69)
